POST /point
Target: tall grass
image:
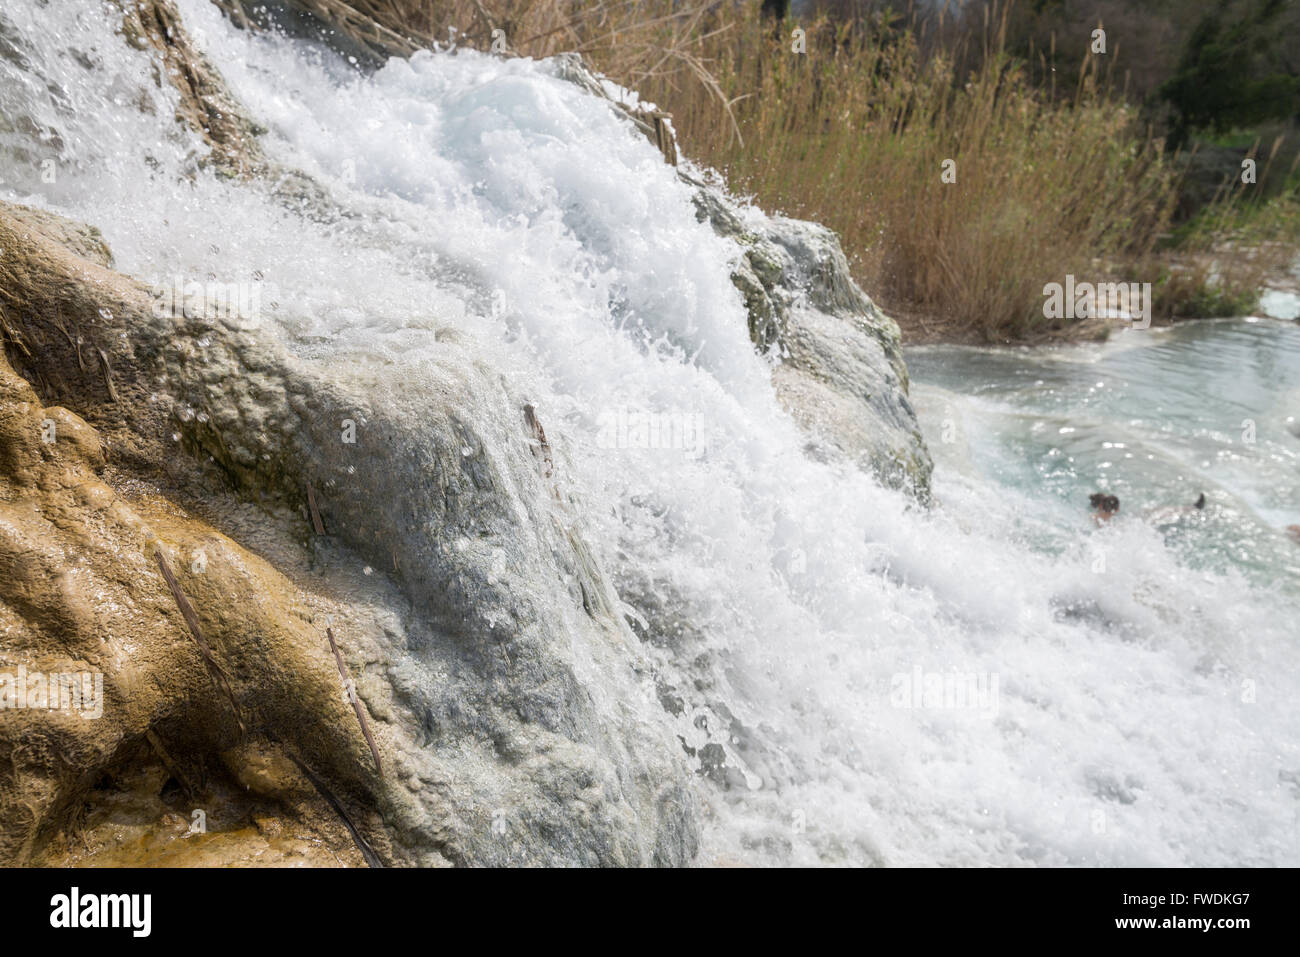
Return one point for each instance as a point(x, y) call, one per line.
point(857, 132)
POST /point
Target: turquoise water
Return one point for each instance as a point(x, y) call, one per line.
point(1155, 417)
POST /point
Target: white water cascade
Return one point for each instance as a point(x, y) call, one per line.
point(860, 680)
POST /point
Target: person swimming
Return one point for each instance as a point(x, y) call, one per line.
point(1104, 507)
point(1169, 514)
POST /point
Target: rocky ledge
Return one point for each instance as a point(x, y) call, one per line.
point(301, 657)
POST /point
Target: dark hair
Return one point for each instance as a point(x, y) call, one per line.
point(1105, 503)
point(1200, 502)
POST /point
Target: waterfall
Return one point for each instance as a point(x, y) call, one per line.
point(845, 673)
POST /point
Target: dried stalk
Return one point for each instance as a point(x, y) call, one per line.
point(351, 688)
point(192, 619)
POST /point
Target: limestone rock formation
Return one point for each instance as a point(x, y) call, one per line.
point(840, 372)
point(83, 596)
point(503, 685)
point(457, 587)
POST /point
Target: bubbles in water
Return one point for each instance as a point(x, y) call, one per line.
point(474, 166)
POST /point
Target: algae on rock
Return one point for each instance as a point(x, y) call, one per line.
point(838, 360)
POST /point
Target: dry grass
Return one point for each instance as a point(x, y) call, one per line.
point(857, 131)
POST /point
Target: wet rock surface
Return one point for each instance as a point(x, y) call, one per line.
point(453, 592)
point(502, 683)
point(839, 370)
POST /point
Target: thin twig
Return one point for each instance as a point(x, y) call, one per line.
point(58, 324)
point(368, 852)
point(12, 335)
point(108, 375)
point(351, 688)
point(169, 763)
point(492, 27)
point(315, 513)
point(192, 619)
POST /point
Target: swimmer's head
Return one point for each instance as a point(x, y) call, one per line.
point(1104, 504)
point(1200, 502)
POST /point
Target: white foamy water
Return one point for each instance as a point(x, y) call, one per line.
point(1129, 710)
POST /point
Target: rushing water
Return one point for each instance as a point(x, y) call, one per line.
point(1155, 417)
point(1125, 695)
